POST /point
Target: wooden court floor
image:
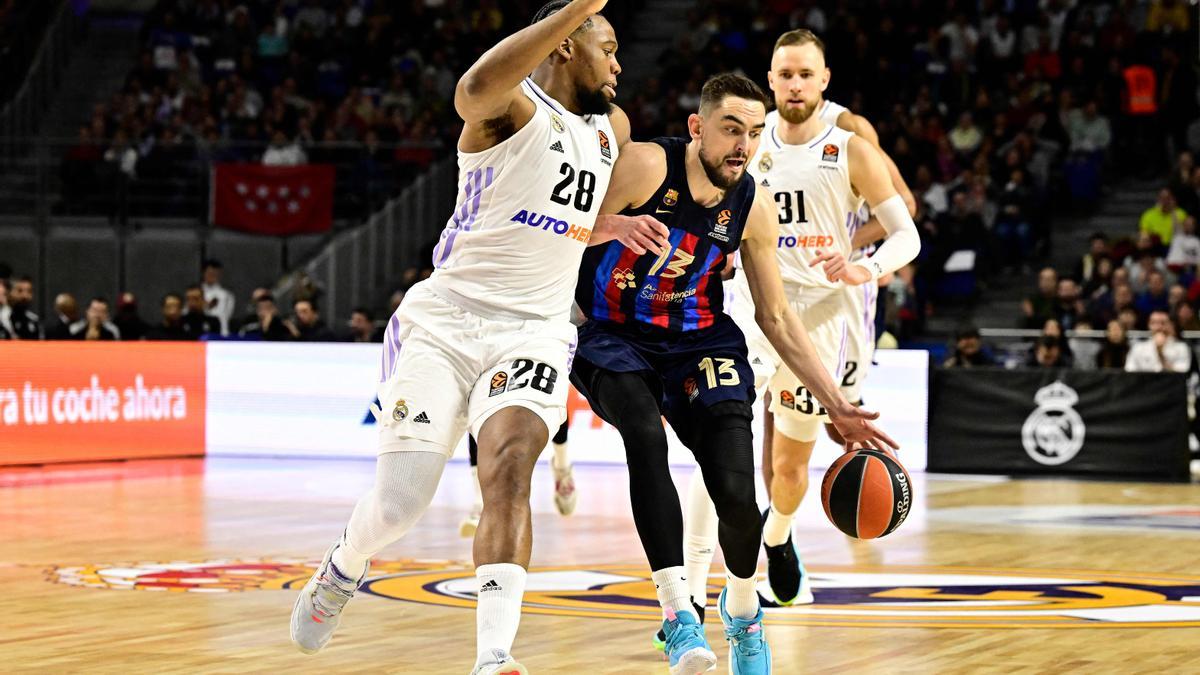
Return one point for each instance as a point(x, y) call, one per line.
point(185, 566)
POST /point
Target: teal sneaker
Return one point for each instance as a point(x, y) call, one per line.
point(660, 638)
point(749, 653)
point(318, 610)
point(687, 650)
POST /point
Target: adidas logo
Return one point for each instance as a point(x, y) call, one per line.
point(557, 147)
point(491, 586)
point(422, 418)
point(765, 183)
point(757, 361)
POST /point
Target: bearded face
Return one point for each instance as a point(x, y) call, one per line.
point(795, 111)
point(723, 170)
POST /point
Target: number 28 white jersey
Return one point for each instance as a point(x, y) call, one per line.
point(525, 213)
point(818, 210)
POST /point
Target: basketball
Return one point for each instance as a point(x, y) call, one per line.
point(866, 494)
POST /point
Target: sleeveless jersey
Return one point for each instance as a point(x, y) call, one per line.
point(829, 112)
point(818, 209)
point(524, 215)
point(680, 290)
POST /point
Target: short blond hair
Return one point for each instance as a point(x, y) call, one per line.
point(798, 37)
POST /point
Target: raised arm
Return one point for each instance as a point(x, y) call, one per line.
point(490, 89)
point(785, 331)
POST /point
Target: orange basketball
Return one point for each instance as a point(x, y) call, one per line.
point(866, 493)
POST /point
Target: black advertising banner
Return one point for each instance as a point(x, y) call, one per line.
point(1059, 422)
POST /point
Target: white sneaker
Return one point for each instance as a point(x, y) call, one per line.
point(565, 496)
point(318, 610)
point(467, 528)
point(500, 662)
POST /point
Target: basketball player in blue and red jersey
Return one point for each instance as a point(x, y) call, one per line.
point(658, 343)
point(486, 341)
point(837, 192)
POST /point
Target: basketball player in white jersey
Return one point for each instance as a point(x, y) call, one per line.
point(866, 231)
point(486, 342)
point(824, 179)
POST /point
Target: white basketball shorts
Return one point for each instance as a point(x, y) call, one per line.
point(445, 370)
point(839, 330)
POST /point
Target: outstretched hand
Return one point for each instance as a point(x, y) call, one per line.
point(858, 432)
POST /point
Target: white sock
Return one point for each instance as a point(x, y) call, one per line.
point(699, 538)
point(501, 588)
point(778, 527)
point(560, 460)
point(671, 585)
point(349, 562)
point(405, 483)
point(478, 508)
point(741, 598)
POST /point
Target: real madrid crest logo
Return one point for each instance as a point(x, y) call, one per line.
point(765, 163)
point(400, 411)
point(1053, 434)
point(557, 123)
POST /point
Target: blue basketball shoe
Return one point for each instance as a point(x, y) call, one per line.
point(687, 650)
point(749, 653)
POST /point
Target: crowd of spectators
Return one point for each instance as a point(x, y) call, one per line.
point(364, 85)
point(205, 310)
point(999, 113)
point(1147, 280)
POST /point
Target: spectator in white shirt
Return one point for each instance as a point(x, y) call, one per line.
point(219, 300)
point(1161, 352)
point(1002, 39)
point(961, 36)
point(283, 152)
point(1185, 246)
point(1090, 131)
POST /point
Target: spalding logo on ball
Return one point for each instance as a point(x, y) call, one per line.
point(866, 493)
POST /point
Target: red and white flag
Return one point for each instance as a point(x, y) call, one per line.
point(274, 200)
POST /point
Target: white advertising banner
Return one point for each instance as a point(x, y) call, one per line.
point(313, 400)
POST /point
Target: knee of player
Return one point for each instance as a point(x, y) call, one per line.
point(514, 444)
point(642, 431)
point(399, 511)
point(739, 510)
point(733, 498)
point(793, 473)
point(507, 481)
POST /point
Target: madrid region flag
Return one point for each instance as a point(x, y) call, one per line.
point(275, 200)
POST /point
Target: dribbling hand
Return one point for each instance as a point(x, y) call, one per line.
point(857, 431)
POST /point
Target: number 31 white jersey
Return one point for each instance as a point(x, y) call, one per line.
point(525, 213)
point(818, 210)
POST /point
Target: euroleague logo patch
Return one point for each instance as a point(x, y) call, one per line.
point(499, 383)
point(830, 153)
point(916, 596)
